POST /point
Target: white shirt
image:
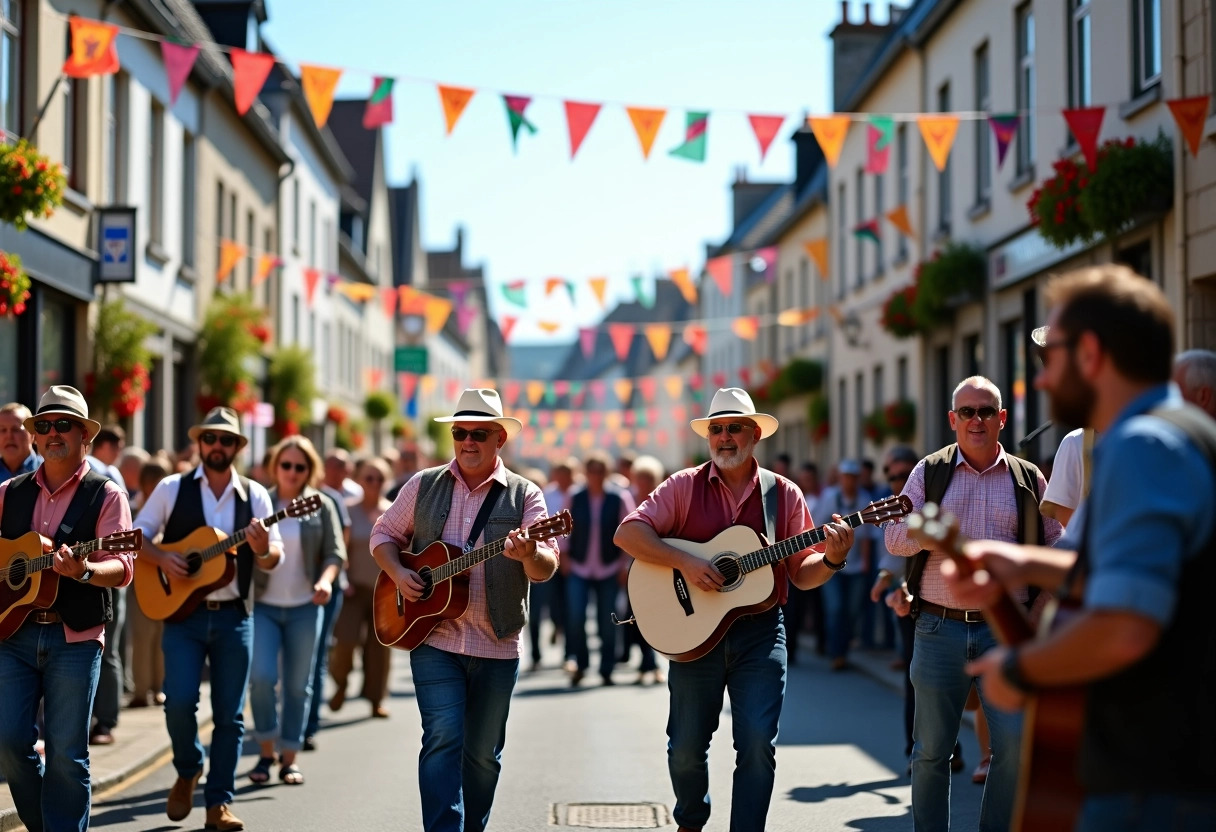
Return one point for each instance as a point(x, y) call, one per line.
point(832, 501)
point(291, 585)
point(1068, 473)
point(352, 490)
point(220, 513)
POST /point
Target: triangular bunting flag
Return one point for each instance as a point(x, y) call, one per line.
point(514, 292)
point(622, 339)
point(549, 327)
point(311, 278)
point(319, 84)
point(437, 312)
point(536, 389)
point(599, 286)
point(506, 325)
point(552, 283)
point(178, 60)
point(745, 376)
point(830, 132)
point(428, 385)
point(623, 388)
point(357, 292)
point(408, 382)
point(379, 109)
point(388, 299)
point(561, 387)
point(510, 393)
point(249, 71)
point(746, 327)
point(579, 118)
point(719, 379)
point(230, 254)
point(696, 337)
point(879, 133)
point(551, 399)
point(797, 317)
point(696, 126)
point(268, 263)
point(722, 270)
point(768, 256)
point(454, 100)
point(94, 49)
point(682, 278)
point(646, 125)
point(867, 230)
point(413, 302)
point(586, 339)
point(1190, 114)
point(765, 128)
point(598, 389)
point(898, 217)
point(638, 292)
point(1004, 128)
point(938, 133)
point(1086, 124)
point(674, 385)
point(465, 315)
point(452, 388)
point(516, 105)
point(818, 251)
point(659, 336)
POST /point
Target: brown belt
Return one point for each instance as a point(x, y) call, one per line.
point(969, 616)
point(45, 617)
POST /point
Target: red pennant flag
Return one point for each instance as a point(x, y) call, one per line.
point(586, 338)
point(597, 419)
point(561, 388)
point(510, 393)
point(388, 297)
point(508, 323)
point(1086, 124)
point(631, 418)
point(598, 389)
point(379, 110)
point(649, 385)
point(695, 381)
point(622, 339)
point(311, 278)
point(579, 118)
point(408, 382)
point(719, 379)
point(652, 415)
point(696, 337)
point(765, 128)
point(721, 269)
point(179, 60)
point(679, 412)
point(452, 388)
point(745, 376)
point(1190, 114)
point(94, 49)
point(249, 72)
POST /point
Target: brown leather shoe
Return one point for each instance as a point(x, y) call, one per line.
point(101, 736)
point(181, 796)
point(337, 700)
point(379, 712)
point(221, 818)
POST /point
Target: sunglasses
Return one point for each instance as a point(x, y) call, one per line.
point(969, 413)
point(372, 479)
point(900, 475)
point(298, 467)
point(43, 426)
point(1047, 346)
point(732, 428)
point(479, 435)
point(227, 440)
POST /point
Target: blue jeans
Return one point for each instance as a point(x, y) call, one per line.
point(749, 663)
point(842, 599)
point(940, 649)
point(223, 637)
point(322, 663)
point(1148, 813)
point(37, 663)
point(578, 593)
point(290, 633)
point(110, 683)
point(464, 701)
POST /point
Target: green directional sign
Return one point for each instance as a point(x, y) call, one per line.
point(410, 360)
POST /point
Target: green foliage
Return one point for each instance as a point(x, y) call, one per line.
point(350, 435)
point(31, 185)
point(441, 434)
point(121, 361)
point(292, 382)
point(227, 343)
point(799, 376)
point(959, 272)
point(817, 417)
point(900, 419)
point(897, 317)
point(379, 405)
point(874, 426)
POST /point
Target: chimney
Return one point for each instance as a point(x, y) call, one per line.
point(854, 47)
point(808, 157)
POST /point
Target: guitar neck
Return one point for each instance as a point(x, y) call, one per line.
point(779, 551)
point(80, 550)
point(221, 546)
point(1007, 617)
point(468, 560)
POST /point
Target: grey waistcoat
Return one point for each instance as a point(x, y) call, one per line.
point(506, 581)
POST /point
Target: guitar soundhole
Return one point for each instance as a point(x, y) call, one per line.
point(728, 565)
point(428, 585)
point(194, 562)
point(17, 571)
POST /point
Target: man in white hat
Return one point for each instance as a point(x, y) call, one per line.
point(55, 655)
point(749, 662)
point(461, 754)
point(220, 629)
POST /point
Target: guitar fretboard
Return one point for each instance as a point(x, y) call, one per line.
point(47, 560)
point(221, 546)
point(771, 554)
point(467, 561)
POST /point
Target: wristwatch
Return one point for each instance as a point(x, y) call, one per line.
point(86, 576)
point(1012, 672)
point(835, 567)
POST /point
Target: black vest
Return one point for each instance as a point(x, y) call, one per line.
point(1152, 727)
point(187, 516)
point(580, 535)
point(81, 606)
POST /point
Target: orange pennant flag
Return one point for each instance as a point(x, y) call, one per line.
point(413, 302)
point(548, 327)
point(230, 254)
point(266, 264)
point(437, 311)
point(612, 420)
point(659, 336)
point(830, 132)
point(646, 124)
point(622, 339)
point(624, 389)
point(93, 49)
point(722, 269)
point(797, 317)
point(357, 292)
point(683, 280)
point(311, 278)
point(818, 250)
point(319, 84)
point(1190, 114)
point(599, 286)
point(898, 217)
point(552, 283)
point(746, 327)
point(428, 385)
point(454, 100)
point(674, 386)
point(561, 419)
point(696, 337)
point(938, 133)
point(536, 389)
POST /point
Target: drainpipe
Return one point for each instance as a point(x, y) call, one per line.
point(1184, 298)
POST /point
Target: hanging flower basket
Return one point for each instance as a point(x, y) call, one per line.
point(336, 415)
point(950, 278)
point(874, 426)
point(897, 313)
point(817, 413)
point(31, 185)
point(900, 419)
point(227, 346)
point(292, 381)
point(14, 285)
point(121, 361)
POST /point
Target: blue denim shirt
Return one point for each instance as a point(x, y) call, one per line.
point(1152, 498)
point(31, 464)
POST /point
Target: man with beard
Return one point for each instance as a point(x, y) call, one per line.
point(749, 662)
point(995, 496)
point(220, 629)
point(16, 453)
point(1140, 553)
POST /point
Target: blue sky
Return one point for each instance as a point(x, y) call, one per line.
point(534, 213)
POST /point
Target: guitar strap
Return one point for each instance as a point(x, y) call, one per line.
point(483, 516)
point(93, 489)
point(768, 493)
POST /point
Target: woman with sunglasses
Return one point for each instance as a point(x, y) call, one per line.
point(287, 613)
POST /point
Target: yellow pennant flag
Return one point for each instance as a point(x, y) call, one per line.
point(266, 264)
point(675, 386)
point(796, 317)
point(612, 420)
point(552, 283)
point(646, 124)
point(548, 437)
point(358, 292)
point(586, 439)
point(623, 388)
point(659, 336)
point(319, 84)
point(548, 327)
point(598, 286)
point(561, 419)
point(454, 100)
point(938, 133)
point(428, 384)
point(746, 327)
point(818, 250)
point(536, 389)
point(230, 254)
point(898, 217)
point(683, 280)
point(830, 132)
point(437, 311)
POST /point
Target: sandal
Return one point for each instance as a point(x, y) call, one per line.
point(261, 772)
point(291, 775)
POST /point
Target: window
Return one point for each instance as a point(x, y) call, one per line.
point(312, 234)
point(232, 215)
point(10, 67)
point(295, 216)
point(841, 260)
point(973, 356)
point(842, 426)
point(1014, 382)
point(156, 171)
point(880, 184)
point(1080, 54)
point(944, 178)
point(75, 101)
point(1146, 44)
point(188, 184)
point(880, 392)
point(859, 276)
point(901, 184)
point(250, 245)
point(116, 129)
point(859, 393)
point(1025, 88)
point(56, 342)
point(219, 212)
point(804, 280)
point(901, 378)
point(983, 145)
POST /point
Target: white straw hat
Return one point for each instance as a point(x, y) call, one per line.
point(482, 404)
point(734, 401)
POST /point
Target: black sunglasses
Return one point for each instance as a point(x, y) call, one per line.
point(899, 475)
point(43, 426)
point(227, 440)
point(968, 413)
point(732, 428)
point(298, 467)
point(479, 435)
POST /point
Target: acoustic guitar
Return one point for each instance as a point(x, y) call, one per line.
point(443, 569)
point(684, 622)
point(1049, 795)
point(162, 597)
point(27, 581)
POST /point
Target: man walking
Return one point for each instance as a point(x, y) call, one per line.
point(16, 454)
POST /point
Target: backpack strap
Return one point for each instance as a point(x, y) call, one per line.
point(768, 493)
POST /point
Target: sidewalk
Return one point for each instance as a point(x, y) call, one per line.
point(139, 741)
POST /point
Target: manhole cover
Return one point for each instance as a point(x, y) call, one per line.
point(610, 815)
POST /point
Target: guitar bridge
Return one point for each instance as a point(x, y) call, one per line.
point(682, 593)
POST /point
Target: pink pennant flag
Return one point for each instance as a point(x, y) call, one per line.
point(458, 290)
point(464, 318)
point(597, 419)
point(745, 376)
point(649, 386)
point(408, 382)
point(388, 297)
point(506, 325)
point(586, 339)
point(599, 388)
point(765, 128)
point(179, 60)
point(561, 388)
point(721, 269)
point(719, 379)
point(510, 393)
point(452, 388)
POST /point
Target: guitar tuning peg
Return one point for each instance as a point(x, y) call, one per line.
point(930, 511)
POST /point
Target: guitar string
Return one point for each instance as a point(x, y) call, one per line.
point(778, 551)
point(470, 559)
point(43, 561)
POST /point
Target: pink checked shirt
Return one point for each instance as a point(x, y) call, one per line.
point(472, 634)
point(986, 507)
point(115, 517)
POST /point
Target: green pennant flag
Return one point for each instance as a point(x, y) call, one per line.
point(642, 297)
point(696, 126)
point(550, 394)
point(516, 105)
point(867, 231)
point(514, 292)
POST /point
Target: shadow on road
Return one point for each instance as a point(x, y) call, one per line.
point(883, 824)
point(829, 791)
